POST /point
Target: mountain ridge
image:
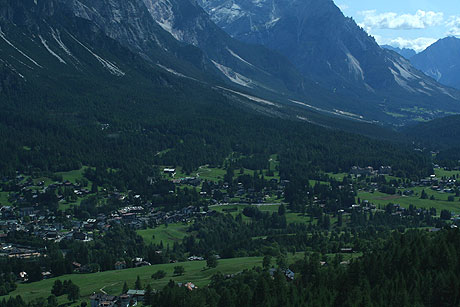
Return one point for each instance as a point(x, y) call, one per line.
point(441, 61)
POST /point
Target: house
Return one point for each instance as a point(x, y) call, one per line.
point(137, 295)
point(103, 300)
point(287, 273)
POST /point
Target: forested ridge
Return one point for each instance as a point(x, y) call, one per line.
point(131, 126)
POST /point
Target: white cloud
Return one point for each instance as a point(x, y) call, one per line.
point(454, 25)
point(417, 44)
point(420, 20)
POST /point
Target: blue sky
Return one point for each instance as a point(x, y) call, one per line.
point(412, 24)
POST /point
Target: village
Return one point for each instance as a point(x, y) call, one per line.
point(27, 211)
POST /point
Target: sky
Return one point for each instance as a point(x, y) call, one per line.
point(414, 24)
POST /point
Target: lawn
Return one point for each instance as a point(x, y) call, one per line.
point(112, 281)
point(72, 176)
point(337, 176)
point(169, 235)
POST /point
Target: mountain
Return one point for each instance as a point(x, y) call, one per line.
point(441, 61)
point(173, 38)
point(331, 49)
point(168, 42)
point(405, 52)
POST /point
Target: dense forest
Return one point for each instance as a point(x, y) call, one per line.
point(399, 273)
point(127, 128)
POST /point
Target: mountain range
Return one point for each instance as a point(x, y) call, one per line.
point(334, 51)
point(297, 66)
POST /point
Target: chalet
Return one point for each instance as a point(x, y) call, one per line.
point(137, 295)
point(103, 300)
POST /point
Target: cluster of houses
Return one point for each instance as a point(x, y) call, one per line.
point(130, 298)
point(18, 251)
point(369, 171)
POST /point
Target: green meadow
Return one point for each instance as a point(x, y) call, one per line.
point(166, 234)
point(112, 281)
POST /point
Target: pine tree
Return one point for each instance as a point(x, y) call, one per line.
point(138, 284)
point(57, 289)
point(73, 292)
point(148, 296)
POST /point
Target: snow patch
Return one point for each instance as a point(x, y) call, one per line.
point(2, 35)
point(253, 98)
point(234, 76)
point(112, 68)
point(57, 37)
point(272, 23)
point(172, 71)
point(51, 51)
point(335, 112)
point(12, 69)
point(239, 58)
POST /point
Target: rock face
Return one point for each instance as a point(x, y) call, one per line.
point(329, 48)
point(441, 61)
point(176, 35)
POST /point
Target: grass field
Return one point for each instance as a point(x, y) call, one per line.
point(112, 281)
point(439, 203)
point(4, 198)
point(338, 176)
point(72, 176)
point(217, 174)
point(291, 217)
point(169, 235)
point(439, 172)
